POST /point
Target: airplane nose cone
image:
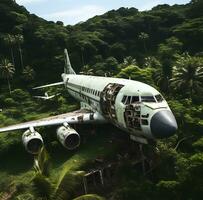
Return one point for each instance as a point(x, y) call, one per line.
point(163, 124)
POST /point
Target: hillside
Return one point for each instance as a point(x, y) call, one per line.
point(115, 34)
point(162, 47)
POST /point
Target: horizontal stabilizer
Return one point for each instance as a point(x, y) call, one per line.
point(49, 85)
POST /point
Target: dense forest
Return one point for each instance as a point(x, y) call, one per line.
point(162, 47)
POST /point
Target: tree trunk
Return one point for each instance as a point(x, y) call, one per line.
point(21, 56)
point(12, 57)
point(9, 86)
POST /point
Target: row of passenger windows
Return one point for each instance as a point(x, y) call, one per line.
point(85, 89)
point(91, 91)
point(133, 99)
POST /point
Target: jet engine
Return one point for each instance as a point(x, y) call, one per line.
point(32, 141)
point(68, 137)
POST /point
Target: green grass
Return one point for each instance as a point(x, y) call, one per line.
point(97, 146)
point(18, 164)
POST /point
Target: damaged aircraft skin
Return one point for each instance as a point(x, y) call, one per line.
point(132, 106)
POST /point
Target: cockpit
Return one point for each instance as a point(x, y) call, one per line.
point(126, 100)
point(139, 108)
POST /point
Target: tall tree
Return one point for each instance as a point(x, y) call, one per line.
point(10, 41)
point(161, 79)
point(28, 73)
point(7, 70)
point(19, 40)
point(144, 37)
point(188, 75)
point(168, 53)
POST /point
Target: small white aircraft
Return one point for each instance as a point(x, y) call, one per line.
point(46, 96)
point(132, 106)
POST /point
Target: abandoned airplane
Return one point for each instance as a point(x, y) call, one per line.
point(132, 106)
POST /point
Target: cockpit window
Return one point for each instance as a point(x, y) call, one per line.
point(128, 100)
point(159, 98)
point(147, 99)
point(135, 99)
point(124, 99)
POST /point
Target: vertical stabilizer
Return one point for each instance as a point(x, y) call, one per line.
point(68, 68)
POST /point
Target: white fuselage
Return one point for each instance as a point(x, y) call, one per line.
point(128, 104)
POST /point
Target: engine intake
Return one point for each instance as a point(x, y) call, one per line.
point(32, 141)
point(68, 137)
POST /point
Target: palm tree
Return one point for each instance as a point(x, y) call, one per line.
point(10, 41)
point(144, 37)
point(129, 61)
point(188, 75)
point(28, 73)
point(161, 79)
point(42, 187)
point(41, 183)
point(42, 163)
point(19, 40)
point(86, 70)
point(6, 71)
point(71, 179)
point(151, 61)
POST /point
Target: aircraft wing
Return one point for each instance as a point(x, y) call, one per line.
point(49, 85)
point(80, 116)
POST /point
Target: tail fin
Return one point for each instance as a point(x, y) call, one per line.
point(68, 68)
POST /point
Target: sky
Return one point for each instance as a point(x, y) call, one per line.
point(74, 11)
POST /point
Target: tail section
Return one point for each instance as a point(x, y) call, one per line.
point(68, 68)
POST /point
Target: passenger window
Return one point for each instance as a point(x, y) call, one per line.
point(147, 99)
point(124, 99)
point(159, 98)
point(135, 99)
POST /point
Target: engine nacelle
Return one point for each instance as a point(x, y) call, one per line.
point(68, 137)
point(32, 141)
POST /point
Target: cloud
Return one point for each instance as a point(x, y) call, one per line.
point(74, 15)
point(25, 2)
